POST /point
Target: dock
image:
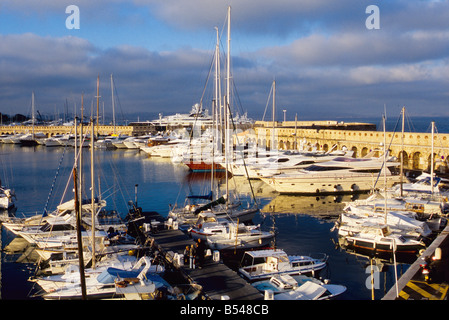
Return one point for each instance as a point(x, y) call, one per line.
point(218, 281)
point(412, 285)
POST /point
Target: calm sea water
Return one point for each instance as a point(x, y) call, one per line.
point(40, 177)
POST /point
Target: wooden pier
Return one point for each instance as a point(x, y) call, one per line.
point(218, 281)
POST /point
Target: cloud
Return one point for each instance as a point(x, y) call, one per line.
point(324, 59)
point(66, 67)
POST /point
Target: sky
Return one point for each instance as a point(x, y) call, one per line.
point(327, 60)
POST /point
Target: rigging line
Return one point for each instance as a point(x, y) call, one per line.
point(386, 150)
point(207, 79)
point(118, 179)
point(116, 96)
point(71, 172)
point(244, 165)
point(268, 101)
point(54, 179)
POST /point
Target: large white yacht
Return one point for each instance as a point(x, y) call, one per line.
point(340, 175)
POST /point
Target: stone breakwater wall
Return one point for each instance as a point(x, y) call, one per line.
point(416, 146)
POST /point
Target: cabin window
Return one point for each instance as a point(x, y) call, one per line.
point(321, 168)
point(366, 170)
point(304, 162)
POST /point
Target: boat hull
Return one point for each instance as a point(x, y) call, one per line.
point(382, 248)
point(328, 185)
point(202, 166)
point(240, 243)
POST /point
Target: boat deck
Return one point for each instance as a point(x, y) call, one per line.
point(217, 280)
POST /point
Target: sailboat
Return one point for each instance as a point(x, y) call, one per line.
point(100, 283)
point(222, 234)
point(223, 206)
point(376, 232)
point(30, 139)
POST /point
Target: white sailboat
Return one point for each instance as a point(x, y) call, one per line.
point(222, 234)
point(224, 206)
point(100, 282)
point(30, 139)
point(300, 287)
point(7, 197)
point(382, 232)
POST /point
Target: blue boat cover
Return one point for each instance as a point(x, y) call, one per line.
point(110, 274)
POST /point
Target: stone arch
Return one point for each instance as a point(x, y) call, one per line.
point(325, 147)
point(429, 161)
point(405, 160)
point(364, 152)
point(354, 150)
point(281, 145)
point(416, 160)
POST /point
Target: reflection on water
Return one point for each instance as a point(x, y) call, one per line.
point(319, 206)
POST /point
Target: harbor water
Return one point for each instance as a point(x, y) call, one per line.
point(41, 179)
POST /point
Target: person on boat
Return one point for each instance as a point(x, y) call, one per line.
point(200, 251)
point(192, 256)
point(186, 255)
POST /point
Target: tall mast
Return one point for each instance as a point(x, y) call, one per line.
point(432, 158)
point(402, 153)
point(274, 113)
point(214, 110)
point(227, 104)
point(32, 111)
point(78, 235)
point(385, 168)
point(92, 180)
point(113, 103)
point(98, 102)
point(296, 131)
point(81, 142)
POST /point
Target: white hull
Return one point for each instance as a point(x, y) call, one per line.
point(240, 241)
point(316, 184)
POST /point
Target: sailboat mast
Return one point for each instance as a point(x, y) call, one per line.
point(296, 131)
point(92, 179)
point(385, 169)
point(227, 105)
point(214, 110)
point(274, 113)
point(32, 111)
point(402, 153)
point(79, 238)
point(81, 151)
point(113, 103)
point(98, 102)
point(432, 157)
